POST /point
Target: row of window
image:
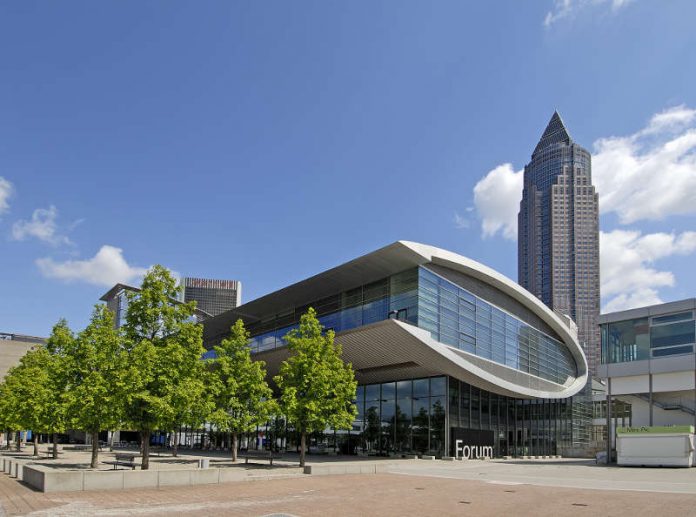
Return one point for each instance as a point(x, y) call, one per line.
point(643, 338)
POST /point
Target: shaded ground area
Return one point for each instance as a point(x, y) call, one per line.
point(379, 494)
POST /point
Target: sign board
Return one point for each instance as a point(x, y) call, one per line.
point(471, 443)
point(658, 429)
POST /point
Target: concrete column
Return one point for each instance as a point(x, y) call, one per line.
point(447, 418)
point(609, 433)
point(650, 397)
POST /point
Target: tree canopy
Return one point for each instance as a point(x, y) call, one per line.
point(243, 398)
point(317, 387)
point(165, 347)
point(96, 377)
point(28, 394)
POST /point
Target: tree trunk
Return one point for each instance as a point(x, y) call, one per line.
point(95, 449)
point(9, 437)
point(234, 446)
point(36, 444)
point(303, 447)
point(19, 441)
point(175, 445)
point(111, 441)
point(145, 436)
point(55, 446)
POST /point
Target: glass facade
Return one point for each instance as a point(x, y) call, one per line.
point(519, 427)
point(453, 315)
point(457, 318)
point(648, 337)
point(395, 296)
point(420, 416)
point(406, 416)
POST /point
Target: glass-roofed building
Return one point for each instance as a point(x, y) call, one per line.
point(447, 352)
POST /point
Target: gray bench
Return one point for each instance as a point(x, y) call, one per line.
point(49, 452)
point(263, 455)
point(123, 460)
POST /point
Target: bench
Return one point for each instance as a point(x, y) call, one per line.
point(124, 460)
point(264, 455)
point(49, 452)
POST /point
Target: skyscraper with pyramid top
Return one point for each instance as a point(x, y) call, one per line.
point(558, 233)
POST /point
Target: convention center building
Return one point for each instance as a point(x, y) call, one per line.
point(452, 358)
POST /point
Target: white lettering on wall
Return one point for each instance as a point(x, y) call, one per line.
point(472, 452)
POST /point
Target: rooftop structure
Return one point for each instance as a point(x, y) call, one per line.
point(117, 301)
point(13, 347)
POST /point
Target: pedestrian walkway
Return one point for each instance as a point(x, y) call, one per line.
point(378, 494)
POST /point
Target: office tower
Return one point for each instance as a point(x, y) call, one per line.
point(212, 296)
point(558, 233)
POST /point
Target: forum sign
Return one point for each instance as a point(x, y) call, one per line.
point(472, 452)
point(471, 444)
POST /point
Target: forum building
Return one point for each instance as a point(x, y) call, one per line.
point(451, 357)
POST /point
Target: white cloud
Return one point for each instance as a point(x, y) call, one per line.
point(106, 268)
point(650, 174)
point(670, 119)
point(569, 8)
point(628, 277)
point(461, 223)
point(6, 191)
point(497, 199)
point(42, 225)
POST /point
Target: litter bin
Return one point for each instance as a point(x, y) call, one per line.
point(204, 463)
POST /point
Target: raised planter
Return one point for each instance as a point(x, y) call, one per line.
point(47, 479)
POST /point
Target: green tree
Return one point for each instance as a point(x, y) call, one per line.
point(164, 348)
point(96, 378)
point(191, 401)
point(9, 406)
point(243, 398)
point(59, 342)
point(317, 387)
point(29, 386)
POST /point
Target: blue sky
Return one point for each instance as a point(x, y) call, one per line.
point(267, 141)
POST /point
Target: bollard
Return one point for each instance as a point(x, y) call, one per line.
point(204, 463)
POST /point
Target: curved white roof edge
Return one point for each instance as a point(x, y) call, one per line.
point(513, 289)
point(467, 363)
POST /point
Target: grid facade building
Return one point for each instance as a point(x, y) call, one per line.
point(212, 296)
point(558, 233)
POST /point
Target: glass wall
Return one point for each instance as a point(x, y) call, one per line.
point(643, 338)
point(520, 427)
point(395, 296)
point(406, 416)
point(453, 315)
point(457, 318)
point(417, 416)
point(626, 341)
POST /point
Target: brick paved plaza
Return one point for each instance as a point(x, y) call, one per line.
point(409, 488)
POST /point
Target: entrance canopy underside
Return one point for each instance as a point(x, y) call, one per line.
point(392, 350)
